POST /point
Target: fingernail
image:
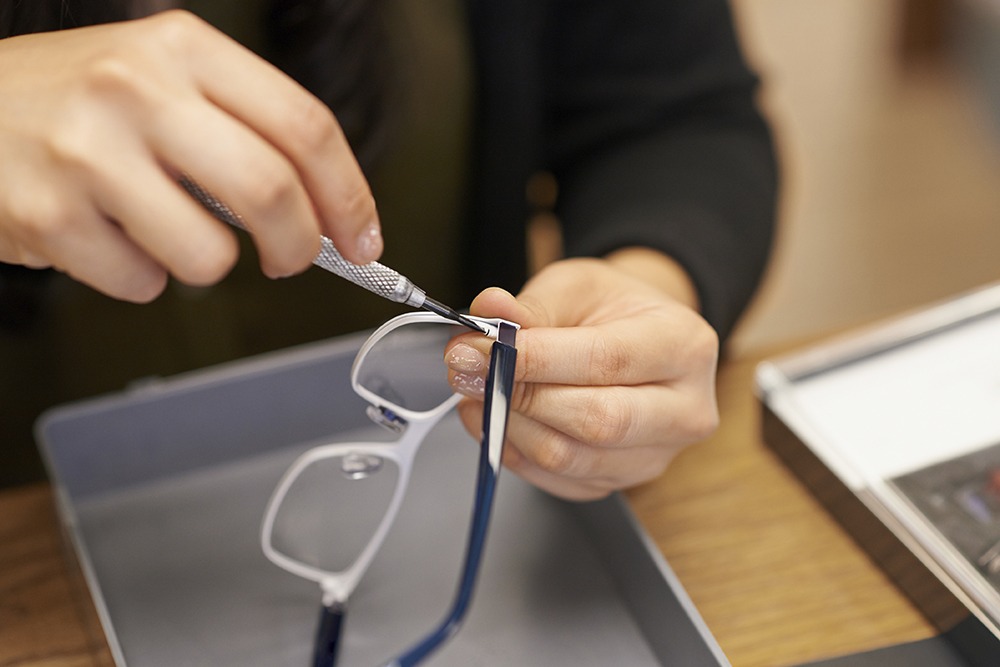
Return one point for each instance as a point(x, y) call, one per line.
point(370, 243)
point(465, 359)
point(473, 386)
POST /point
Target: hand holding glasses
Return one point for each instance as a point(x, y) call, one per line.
point(400, 372)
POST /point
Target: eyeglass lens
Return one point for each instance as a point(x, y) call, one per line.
point(332, 509)
point(406, 366)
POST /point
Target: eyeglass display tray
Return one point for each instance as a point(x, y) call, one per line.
point(162, 487)
point(896, 430)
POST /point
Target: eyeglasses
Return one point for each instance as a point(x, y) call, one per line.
point(312, 526)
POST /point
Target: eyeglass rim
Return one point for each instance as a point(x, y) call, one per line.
point(337, 585)
point(491, 324)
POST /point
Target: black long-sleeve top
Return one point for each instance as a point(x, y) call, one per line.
point(644, 112)
point(642, 109)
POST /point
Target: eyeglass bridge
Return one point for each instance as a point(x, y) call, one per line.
point(386, 418)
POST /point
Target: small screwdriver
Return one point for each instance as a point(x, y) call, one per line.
point(374, 277)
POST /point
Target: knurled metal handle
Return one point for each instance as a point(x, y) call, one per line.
point(375, 277)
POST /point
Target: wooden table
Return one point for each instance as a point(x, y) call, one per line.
point(776, 580)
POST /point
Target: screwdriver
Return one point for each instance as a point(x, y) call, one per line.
point(374, 277)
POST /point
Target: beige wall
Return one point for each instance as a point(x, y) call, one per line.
point(892, 176)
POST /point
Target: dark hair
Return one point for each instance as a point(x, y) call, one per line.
point(336, 48)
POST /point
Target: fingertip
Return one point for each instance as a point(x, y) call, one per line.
point(143, 284)
point(370, 243)
point(354, 226)
point(496, 293)
point(498, 302)
point(358, 246)
point(149, 291)
point(495, 302)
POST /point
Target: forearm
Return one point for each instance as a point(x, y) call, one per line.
point(706, 199)
point(657, 143)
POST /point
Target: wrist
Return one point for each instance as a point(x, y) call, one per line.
point(657, 270)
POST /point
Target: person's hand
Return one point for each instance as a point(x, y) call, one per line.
point(614, 375)
point(98, 124)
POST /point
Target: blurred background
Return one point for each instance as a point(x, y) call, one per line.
point(887, 115)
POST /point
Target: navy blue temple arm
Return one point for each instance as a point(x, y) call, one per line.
point(331, 619)
point(499, 388)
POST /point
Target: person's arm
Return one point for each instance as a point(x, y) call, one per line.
point(98, 124)
point(666, 181)
point(655, 141)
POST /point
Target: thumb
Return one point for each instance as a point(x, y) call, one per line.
point(497, 302)
point(564, 294)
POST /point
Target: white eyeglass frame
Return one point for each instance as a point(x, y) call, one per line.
point(337, 586)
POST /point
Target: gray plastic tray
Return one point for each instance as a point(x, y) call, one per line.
point(162, 489)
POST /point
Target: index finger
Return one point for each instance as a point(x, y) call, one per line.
point(630, 350)
point(302, 128)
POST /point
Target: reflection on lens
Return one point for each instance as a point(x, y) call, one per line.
point(406, 367)
point(333, 508)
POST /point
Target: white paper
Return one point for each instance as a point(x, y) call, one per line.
point(907, 408)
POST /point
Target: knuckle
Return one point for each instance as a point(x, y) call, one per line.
point(697, 420)
point(524, 397)
point(174, 28)
point(555, 455)
point(705, 344)
point(38, 217)
point(123, 66)
point(113, 88)
point(144, 288)
point(607, 420)
point(527, 364)
point(358, 204)
point(71, 143)
point(268, 190)
point(609, 359)
point(314, 125)
point(533, 360)
point(704, 422)
point(115, 74)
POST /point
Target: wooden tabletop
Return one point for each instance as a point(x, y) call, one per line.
point(774, 577)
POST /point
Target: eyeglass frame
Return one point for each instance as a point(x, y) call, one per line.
point(414, 425)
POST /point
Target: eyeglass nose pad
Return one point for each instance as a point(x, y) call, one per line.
point(360, 465)
point(386, 418)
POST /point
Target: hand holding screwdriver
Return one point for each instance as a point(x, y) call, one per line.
point(374, 277)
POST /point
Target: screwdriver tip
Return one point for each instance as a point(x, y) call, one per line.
point(452, 314)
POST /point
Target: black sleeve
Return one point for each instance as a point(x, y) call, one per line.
point(654, 138)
